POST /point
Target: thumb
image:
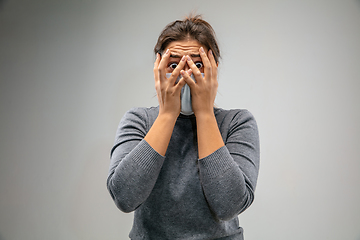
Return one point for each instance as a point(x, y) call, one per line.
point(187, 78)
point(180, 84)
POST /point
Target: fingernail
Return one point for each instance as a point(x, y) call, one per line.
point(182, 72)
point(202, 49)
point(167, 51)
point(210, 52)
point(188, 58)
point(183, 58)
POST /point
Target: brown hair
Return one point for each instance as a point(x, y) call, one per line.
point(192, 27)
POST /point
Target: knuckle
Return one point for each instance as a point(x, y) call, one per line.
point(197, 73)
point(168, 91)
point(215, 84)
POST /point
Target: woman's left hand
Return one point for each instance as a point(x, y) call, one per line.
point(203, 91)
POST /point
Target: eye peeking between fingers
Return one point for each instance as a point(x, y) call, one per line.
point(172, 66)
point(199, 65)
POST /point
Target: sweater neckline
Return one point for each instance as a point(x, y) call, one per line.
point(193, 115)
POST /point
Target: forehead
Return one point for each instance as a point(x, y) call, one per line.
point(186, 47)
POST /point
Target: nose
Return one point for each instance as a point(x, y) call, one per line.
point(186, 67)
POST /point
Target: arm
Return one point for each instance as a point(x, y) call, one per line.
point(168, 94)
point(203, 93)
point(228, 173)
point(137, 156)
point(134, 165)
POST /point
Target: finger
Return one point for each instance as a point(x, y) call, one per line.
point(195, 70)
point(162, 65)
point(189, 72)
point(156, 67)
point(177, 70)
point(187, 79)
point(206, 62)
point(180, 84)
point(213, 63)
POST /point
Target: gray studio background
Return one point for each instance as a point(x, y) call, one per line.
point(70, 69)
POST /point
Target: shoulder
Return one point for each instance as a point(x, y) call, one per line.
point(233, 115)
point(236, 121)
point(141, 113)
point(140, 116)
point(238, 125)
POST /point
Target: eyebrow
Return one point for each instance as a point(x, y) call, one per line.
point(191, 55)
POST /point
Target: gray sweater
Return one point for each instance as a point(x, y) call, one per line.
point(180, 196)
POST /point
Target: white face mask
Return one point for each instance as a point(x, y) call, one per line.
point(185, 96)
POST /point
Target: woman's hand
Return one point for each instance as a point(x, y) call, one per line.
point(168, 91)
point(203, 91)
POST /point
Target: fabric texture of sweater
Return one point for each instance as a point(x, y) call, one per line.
point(179, 196)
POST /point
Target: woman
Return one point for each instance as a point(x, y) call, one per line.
point(185, 176)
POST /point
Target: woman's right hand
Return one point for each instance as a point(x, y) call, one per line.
point(167, 90)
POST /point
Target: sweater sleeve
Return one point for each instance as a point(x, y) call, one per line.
point(134, 165)
point(229, 175)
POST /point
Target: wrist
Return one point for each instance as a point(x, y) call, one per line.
point(167, 117)
point(209, 114)
point(208, 133)
point(160, 132)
